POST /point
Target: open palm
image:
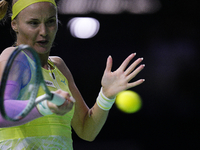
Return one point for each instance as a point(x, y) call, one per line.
point(119, 80)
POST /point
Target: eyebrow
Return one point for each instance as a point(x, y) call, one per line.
point(32, 18)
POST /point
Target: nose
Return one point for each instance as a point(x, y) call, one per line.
point(43, 30)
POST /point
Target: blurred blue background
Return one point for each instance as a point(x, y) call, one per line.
point(168, 39)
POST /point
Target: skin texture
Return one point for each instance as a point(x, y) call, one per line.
point(37, 29)
point(36, 26)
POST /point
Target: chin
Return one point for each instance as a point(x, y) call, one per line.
point(42, 50)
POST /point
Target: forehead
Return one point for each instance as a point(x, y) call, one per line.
point(38, 10)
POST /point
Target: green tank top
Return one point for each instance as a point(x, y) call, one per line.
point(46, 126)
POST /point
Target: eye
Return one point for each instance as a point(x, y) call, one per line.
point(51, 22)
point(33, 23)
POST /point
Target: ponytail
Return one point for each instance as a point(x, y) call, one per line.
point(3, 8)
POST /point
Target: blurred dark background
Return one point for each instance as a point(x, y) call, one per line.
point(168, 39)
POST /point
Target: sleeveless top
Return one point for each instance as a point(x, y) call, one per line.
point(47, 132)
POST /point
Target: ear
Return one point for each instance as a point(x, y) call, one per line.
point(14, 25)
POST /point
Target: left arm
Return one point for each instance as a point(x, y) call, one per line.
point(86, 122)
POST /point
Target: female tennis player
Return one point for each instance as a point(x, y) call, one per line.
point(35, 23)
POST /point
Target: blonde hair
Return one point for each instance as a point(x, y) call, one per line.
point(3, 8)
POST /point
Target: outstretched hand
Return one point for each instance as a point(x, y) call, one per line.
point(119, 80)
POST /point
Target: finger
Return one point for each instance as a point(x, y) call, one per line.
point(54, 108)
point(51, 105)
point(69, 102)
point(132, 66)
point(63, 109)
point(72, 99)
point(136, 83)
point(66, 105)
point(126, 61)
point(109, 64)
point(70, 105)
point(135, 72)
point(65, 95)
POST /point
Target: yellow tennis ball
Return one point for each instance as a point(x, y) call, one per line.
point(128, 101)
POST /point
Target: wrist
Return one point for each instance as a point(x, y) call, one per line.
point(107, 94)
point(104, 102)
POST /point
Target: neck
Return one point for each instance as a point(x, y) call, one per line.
point(44, 60)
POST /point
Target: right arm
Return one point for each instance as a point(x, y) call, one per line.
point(14, 106)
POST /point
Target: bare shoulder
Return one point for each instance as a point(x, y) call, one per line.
point(60, 64)
point(57, 61)
point(4, 56)
point(6, 53)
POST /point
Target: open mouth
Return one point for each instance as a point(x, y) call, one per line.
point(43, 42)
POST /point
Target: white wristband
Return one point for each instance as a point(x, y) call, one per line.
point(43, 108)
point(103, 102)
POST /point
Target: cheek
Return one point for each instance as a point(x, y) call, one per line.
point(54, 32)
point(55, 29)
point(26, 34)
